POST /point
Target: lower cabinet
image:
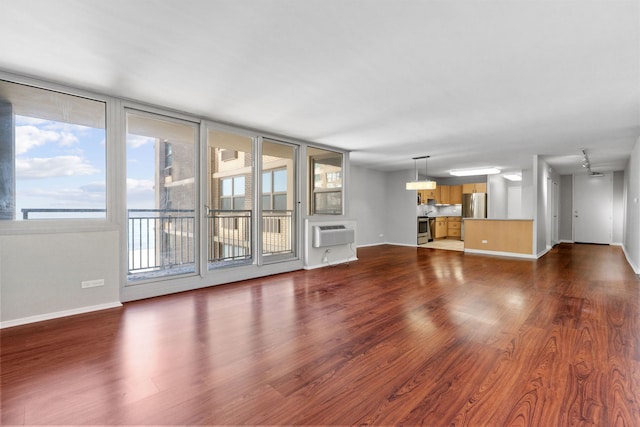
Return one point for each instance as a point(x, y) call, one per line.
point(454, 225)
point(441, 228)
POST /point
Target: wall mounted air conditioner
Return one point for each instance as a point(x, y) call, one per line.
point(332, 235)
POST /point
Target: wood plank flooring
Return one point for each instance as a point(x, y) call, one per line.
point(404, 336)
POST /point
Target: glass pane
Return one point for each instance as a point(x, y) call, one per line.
point(238, 203)
point(328, 203)
point(266, 182)
point(238, 186)
point(326, 173)
point(279, 202)
point(279, 181)
point(266, 202)
point(278, 225)
point(52, 155)
point(160, 196)
point(227, 187)
point(229, 238)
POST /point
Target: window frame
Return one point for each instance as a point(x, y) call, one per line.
point(313, 191)
point(69, 225)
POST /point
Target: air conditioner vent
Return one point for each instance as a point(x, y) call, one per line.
point(332, 235)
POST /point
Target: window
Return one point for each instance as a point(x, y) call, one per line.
point(274, 190)
point(52, 154)
point(232, 193)
point(326, 182)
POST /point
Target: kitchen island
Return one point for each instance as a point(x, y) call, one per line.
point(509, 237)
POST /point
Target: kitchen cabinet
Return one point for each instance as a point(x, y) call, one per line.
point(441, 228)
point(474, 187)
point(443, 195)
point(454, 225)
point(427, 195)
point(455, 194)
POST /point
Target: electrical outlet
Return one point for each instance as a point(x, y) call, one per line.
point(484, 242)
point(92, 283)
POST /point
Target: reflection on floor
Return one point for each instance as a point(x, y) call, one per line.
point(447, 244)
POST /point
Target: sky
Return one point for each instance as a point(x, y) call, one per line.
point(63, 166)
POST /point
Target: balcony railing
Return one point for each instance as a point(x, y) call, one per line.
point(160, 239)
point(164, 239)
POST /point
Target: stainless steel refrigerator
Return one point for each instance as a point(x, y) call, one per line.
point(474, 205)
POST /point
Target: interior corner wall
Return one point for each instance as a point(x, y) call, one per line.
point(618, 208)
point(540, 186)
point(400, 209)
point(631, 242)
point(367, 205)
point(565, 223)
point(41, 274)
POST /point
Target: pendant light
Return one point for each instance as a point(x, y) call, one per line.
point(417, 184)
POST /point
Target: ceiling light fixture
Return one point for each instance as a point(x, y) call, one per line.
point(512, 177)
point(470, 172)
point(417, 184)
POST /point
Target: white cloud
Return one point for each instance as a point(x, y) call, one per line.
point(28, 137)
point(136, 186)
point(137, 141)
point(38, 168)
point(67, 139)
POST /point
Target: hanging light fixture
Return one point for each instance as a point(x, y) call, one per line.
point(417, 184)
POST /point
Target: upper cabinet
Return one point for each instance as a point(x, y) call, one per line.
point(449, 195)
point(455, 194)
point(475, 187)
point(424, 195)
point(445, 194)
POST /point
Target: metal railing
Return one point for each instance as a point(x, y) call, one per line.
point(277, 232)
point(161, 239)
point(229, 237)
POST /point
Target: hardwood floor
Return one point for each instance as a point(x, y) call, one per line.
point(404, 336)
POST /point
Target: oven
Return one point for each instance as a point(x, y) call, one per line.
point(424, 230)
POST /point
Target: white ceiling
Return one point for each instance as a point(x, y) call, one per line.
point(471, 83)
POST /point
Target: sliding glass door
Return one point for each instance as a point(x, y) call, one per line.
point(229, 199)
point(161, 196)
point(278, 200)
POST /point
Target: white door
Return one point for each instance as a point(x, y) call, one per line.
point(593, 208)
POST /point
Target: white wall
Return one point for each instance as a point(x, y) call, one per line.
point(400, 209)
point(543, 174)
point(631, 243)
point(40, 274)
point(617, 235)
point(367, 204)
point(565, 228)
point(497, 197)
point(528, 195)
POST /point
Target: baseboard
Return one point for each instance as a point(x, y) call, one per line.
point(372, 244)
point(635, 268)
point(566, 241)
point(541, 254)
point(498, 253)
point(331, 264)
point(58, 314)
